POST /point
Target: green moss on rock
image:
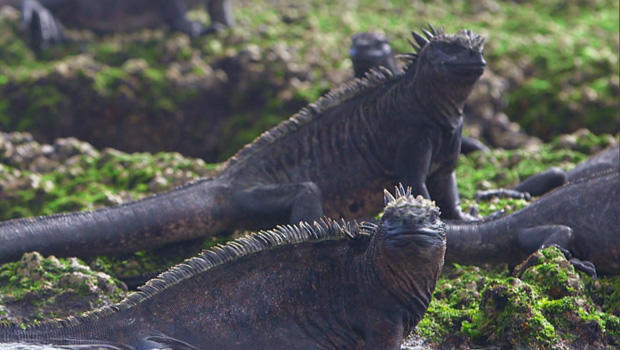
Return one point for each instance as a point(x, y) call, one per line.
point(544, 304)
point(37, 288)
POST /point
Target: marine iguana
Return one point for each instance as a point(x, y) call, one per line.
point(43, 18)
point(581, 217)
point(325, 285)
point(332, 158)
point(372, 50)
point(541, 183)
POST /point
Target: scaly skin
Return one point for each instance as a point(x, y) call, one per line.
point(46, 18)
point(581, 217)
point(328, 286)
point(372, 50)
point(333, 158)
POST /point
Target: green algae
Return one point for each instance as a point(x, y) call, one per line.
point(101, 179)
point(543, 304)
point(36, 288)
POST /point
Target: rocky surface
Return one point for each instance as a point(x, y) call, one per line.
point(67, 175)
point(37, 288)
point(544, 304)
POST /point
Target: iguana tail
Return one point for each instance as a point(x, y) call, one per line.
point(190, 211)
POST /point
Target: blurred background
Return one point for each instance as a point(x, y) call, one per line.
point(552, 68)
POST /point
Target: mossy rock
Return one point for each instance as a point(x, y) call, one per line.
point(507, 316)
point(37, 288)
point(549, 306)
point(552, 273)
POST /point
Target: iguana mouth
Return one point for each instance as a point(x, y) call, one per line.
point(425, 231)
point(470, 68)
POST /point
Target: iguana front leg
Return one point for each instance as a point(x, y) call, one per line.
point(266, 205)
point(535, 185)
point(533, 238)
point(444, 191)
point(412, 164)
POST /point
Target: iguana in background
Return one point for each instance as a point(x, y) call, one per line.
point(372, 50)
point(332, 158)
point(320, 286)
point(45, 19)
point(581, 217)
point(541, 183)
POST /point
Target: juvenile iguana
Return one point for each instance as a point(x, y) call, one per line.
point(320, 286)
point(372, 50)
point(581, 217)
point(332, 158)
point(45, 19)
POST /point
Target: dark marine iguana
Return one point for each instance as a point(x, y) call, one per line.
point(323, 286)
point(541, 183)
point(331, 158)
point(581, 217)
point(45, 19)
point(372, 50)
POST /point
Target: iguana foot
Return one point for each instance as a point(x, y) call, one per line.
point(581, 265)
point(501, 193)
point(584, 266)
point(44, 31)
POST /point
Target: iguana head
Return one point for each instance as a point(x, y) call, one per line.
point(370, 50)
point(411, 225)
point(444, 68)
point(453, 58)
point(408, 249)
